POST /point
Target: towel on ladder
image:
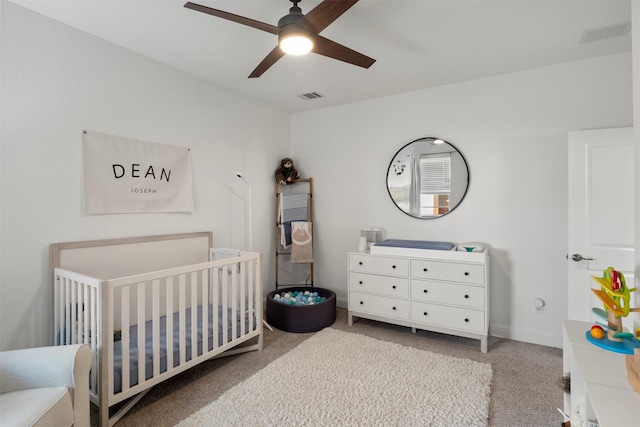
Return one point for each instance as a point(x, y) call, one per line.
point(224, 253)
point(302, 243)
point(291, 207)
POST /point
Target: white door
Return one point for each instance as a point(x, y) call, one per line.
point(601, 213)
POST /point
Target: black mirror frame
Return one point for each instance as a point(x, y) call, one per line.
point(466, 164)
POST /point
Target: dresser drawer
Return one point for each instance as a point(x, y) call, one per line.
point(379, 305)
point(449, 317)
point(448, 293)
point(379, 265)
point(450, 271)
point(385, 285)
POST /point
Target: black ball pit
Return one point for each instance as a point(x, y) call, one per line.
point(301, 318)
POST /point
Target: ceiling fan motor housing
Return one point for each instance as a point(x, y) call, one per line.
point(298, 33)
point(295, 13)
point(289, 28)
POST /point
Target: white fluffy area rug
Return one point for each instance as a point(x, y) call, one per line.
point(338, 378)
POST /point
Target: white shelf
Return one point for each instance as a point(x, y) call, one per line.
point(615, 406)
point(599, 381)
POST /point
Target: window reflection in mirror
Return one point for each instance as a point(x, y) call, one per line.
point(427, 178)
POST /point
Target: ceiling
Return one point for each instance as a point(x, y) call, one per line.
point(417, 44)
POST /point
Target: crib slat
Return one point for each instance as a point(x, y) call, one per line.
point(225, 306)
point(142, 334)
point(215, 302)
point(105, 359)
point(94, 339)
point(252, 303)
point(169, 321)
point(155, 308)
point(182, 318)
point(205, 310)
point(126, 366)
point(58, 329)
point(74, 313)
point(234, 302)
point(193, 333)
point(243, 296)
point(56, 310)
point(67, 312)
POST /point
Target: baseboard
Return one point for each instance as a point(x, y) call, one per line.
point(525, 335)
point(504, 331)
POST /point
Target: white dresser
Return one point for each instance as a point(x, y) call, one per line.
point(441, 291)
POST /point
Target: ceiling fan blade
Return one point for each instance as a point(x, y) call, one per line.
point(325, 13)
point(267, 62)
point(331, 49)
point(232, 17)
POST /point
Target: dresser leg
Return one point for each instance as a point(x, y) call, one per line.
point(349, 318)
point(414, 330)
point(483, 343)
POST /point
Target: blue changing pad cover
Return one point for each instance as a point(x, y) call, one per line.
point(417, 244)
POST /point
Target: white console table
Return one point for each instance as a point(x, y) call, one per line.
point(600, 389)
point(440, 291)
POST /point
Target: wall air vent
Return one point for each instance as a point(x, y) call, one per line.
point(311, 95)
point(603, 33)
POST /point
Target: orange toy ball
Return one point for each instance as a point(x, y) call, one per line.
point(597, 332)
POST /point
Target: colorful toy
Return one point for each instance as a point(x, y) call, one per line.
point(597, 332)
point(615, 296)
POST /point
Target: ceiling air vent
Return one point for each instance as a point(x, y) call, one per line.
point(603, 33)
point(311, 95)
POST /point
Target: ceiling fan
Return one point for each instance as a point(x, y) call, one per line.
point(299, 28)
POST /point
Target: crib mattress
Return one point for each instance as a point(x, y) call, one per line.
point(148, 363)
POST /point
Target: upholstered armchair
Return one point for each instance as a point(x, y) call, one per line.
point(45, 386)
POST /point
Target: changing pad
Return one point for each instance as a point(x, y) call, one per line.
point(415, 244)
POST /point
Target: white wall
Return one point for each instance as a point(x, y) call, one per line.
point(57, 81)
point(512, 129)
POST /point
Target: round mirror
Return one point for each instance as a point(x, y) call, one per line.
point(428, 178)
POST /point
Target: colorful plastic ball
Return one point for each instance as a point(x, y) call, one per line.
point(597, 332)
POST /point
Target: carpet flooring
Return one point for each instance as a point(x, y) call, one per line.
point(340, 378)
point(524, 390)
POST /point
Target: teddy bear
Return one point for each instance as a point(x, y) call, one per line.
point(287, 173)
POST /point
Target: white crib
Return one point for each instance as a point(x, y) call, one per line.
point(105, 290)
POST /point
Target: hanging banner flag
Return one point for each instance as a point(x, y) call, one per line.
point(128, 175)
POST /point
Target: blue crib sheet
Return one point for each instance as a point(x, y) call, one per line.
point(133, 346)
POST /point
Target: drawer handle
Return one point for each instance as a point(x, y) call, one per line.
point(393, 266)
point(425, 269)
point(393, 287)
point(361, 302)
point(426, 291)
point(360, 282)
point(394, 308)
point(360, 263)
point(466, 296)
point(466, 320)
point(466, 273)
point(425, 313)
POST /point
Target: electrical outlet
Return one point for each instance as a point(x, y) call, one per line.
point(538, 305)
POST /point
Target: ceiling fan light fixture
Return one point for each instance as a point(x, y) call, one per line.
point(295, 43)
